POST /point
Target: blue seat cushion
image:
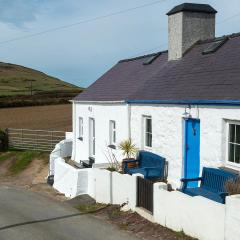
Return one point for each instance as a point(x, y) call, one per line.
point(204, 193)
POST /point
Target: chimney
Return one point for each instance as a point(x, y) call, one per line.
point(187, 24)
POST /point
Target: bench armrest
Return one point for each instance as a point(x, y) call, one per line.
point(223, 195)
point(191, 179)
point(186, 180)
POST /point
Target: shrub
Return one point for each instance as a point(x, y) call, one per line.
point(3, 141)
point(233, 186)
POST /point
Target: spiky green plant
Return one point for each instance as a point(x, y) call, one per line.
point(128, 148)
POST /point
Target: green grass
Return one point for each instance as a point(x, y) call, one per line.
point(23, 159)
point(5, 156)
point(20, 160)
point(87, 208)
point(15, 80)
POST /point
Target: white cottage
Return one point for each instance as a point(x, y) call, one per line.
point(183, 104)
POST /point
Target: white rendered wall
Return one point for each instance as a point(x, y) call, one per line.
point(196, 216)
point(102, 115)
point(69, 180)
point(168, 137)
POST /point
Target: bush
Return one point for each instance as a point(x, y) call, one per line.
point(3, 141)
point(233, 186)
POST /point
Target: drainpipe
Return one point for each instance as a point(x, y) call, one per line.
point(129, 120)
point(74, 130)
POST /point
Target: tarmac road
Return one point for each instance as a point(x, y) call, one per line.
point(26, 215)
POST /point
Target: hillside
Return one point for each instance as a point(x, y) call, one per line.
point(21, 86)
point(17, 80)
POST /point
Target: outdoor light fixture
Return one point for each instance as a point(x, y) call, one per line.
point(187, 112)
point(112, 146)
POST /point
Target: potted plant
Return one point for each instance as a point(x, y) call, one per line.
point(114, 165)
point(232, 186)
point(129, 151)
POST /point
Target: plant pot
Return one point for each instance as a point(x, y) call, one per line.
point(129, 165)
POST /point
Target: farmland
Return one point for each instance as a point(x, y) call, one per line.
point(52, 117)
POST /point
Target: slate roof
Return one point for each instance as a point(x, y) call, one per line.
point(214, 76)
point(192, 7)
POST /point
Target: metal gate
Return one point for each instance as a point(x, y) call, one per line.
point(145, 194)
point(41, 140)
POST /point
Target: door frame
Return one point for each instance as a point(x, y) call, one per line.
point(185, 147)
point(92, 138)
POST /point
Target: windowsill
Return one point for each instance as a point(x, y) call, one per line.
point(234, 166)
point(147, 148)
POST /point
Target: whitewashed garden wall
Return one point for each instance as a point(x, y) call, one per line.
point(195, 216)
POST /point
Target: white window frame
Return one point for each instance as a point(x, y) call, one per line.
point(233, 164)
point(144, 132)
point(112, 132)
point(80, 130)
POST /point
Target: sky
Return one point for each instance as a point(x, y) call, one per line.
point(81, 53)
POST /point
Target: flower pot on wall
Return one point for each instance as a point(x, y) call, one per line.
point(130, 164)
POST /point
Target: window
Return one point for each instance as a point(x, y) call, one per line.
point(234, 143)
point(147, 131)
point(112, 132)
point(213, 47)
point(151, 58)
point(80, 137)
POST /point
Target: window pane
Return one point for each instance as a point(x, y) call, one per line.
point(114, 136)
point(237, 154)
point(231, 153)
point(80, 127)
point(149, 125)
point(148, 140)
point(231, 132)
point(238, 134)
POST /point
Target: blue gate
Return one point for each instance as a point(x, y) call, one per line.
point(192, 150)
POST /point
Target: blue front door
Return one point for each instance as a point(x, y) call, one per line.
point(192, 150)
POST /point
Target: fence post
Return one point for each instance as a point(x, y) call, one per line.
point(36, 141)
point(52, 139)
point(21, 137)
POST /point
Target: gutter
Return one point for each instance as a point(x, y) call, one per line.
point(100, 102)
point(184, 102)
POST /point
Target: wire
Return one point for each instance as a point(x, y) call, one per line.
point(82, 22)
point(149, 50)
point(229, 18)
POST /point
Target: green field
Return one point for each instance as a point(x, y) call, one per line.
point(19, 80)
point(21, 86)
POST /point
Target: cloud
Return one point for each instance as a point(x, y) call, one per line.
point(18, 12)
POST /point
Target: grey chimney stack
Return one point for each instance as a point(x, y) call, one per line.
point(187, 24)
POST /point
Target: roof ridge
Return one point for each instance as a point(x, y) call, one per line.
point(143, 56)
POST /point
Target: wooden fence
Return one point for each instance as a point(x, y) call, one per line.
point(40, 140)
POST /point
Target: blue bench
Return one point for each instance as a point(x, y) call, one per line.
point(151, 165)
point(212, 184)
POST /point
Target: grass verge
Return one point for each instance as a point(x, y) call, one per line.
point(20, 160)
point(89, 208)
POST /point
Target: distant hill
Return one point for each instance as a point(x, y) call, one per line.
point(21, 86)
point(16, 80)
